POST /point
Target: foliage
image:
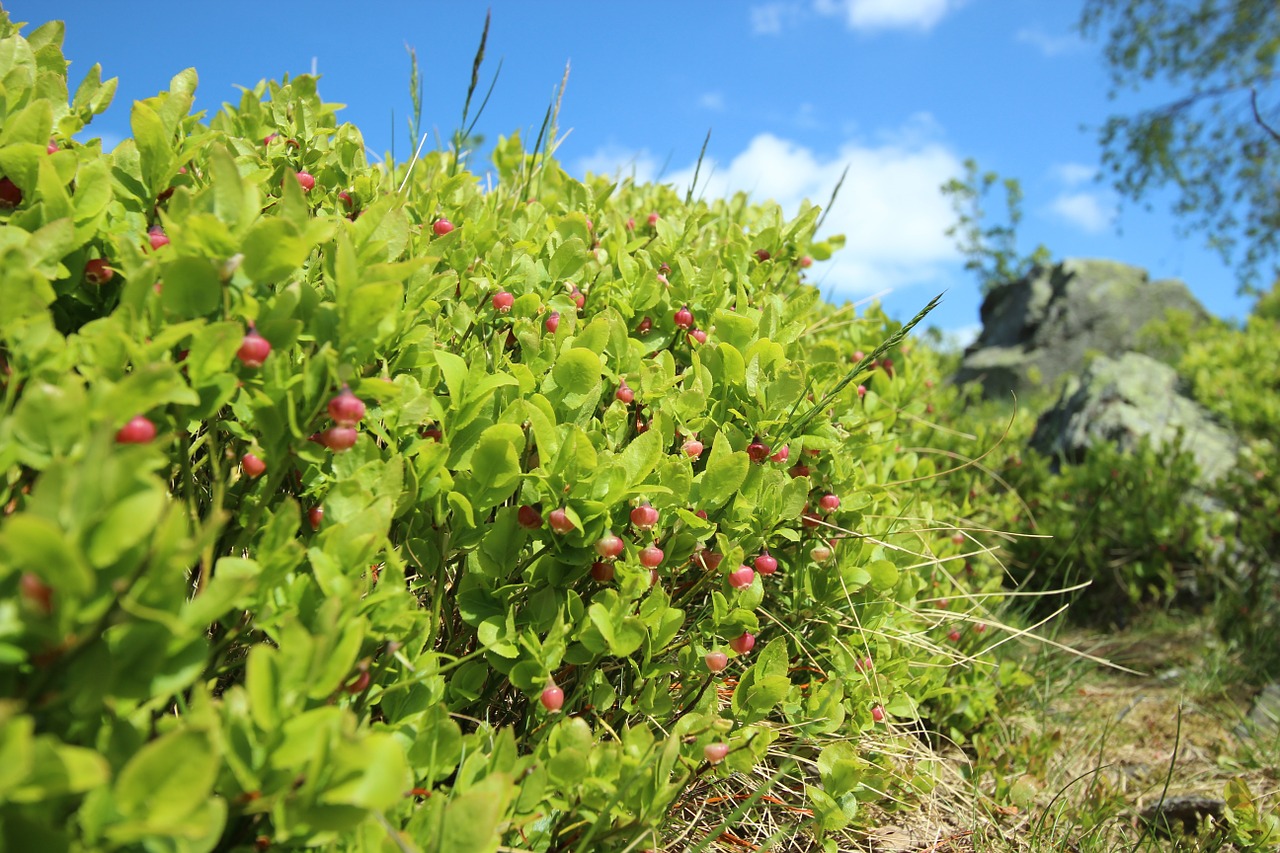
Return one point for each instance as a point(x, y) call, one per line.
point(1218, 143)
point(991, 252)
point(383, 586)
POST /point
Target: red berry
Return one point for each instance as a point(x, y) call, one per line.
point(829, 502)
point(502, 301)
point(441, 227)
point(157, 237)
point(645, 325)
point(254, 349)
point(644, 517)
point(553, 322)
point(954, 635)
point(743, 644)
point(552, 698)
point(560, 521)
point(693, 448)
point(684, 317)
point(528, 517)
point(781, 454)
point(766, 564)
point(36, 592)
point(269, 139)
point(715, 752)
point(252, 465)
point(741, 577)
point(697, 336)
point(346, 408)
point(610, 546)
point(139, 430)
point(601, 571)
point(98, 271)
point(345, 198)
point(339, 438)
point(758, 450)
point(717, 661)
point(360, 683)
point(808, 519)
point(10, 195)
point(877, 714)
point(710, 560)
point(306, 181)
point(653, 219)
point(702, 514)
point(431, 432)
point(980, 628)
point(762, 255)
point(315, 515)
point(624, 393)
point(651, 556)
point(799, 470)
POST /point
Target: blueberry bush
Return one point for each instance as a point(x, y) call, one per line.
point(357, 507)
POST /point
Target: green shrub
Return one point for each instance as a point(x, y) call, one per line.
point(241, 611)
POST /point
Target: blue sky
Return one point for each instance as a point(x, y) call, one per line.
point(902, 91)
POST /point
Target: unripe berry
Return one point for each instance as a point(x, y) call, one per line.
point(560, 521)
point(715, 752)
point(820, 553)
point(693, 448)
point(744, 643)
point(346, 408)
point(717, 661)
point(610, 546)
point(829, 502)
point(806, 262)
point(502, 301)
point(139, 430)
point(766, 564)
point(254, 349)
point(441, 227)
point(644, 517)
point(651, 556)
point(252, 465)
point(624, 393)
point(552, 698)
point(741, 577)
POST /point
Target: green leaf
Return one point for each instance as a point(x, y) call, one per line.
point(568, 259)
point(623, 636)
point(168, 779)
point(577, 370)
point(155, 148)
point(725, 474)
point(31, 543)
point(273, 251)
point(884, 574)
point(191, 287)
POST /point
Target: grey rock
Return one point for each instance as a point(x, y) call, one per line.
point(1122, 400)
point(1186, 812)
point(1264, 716)
point(1044, 326)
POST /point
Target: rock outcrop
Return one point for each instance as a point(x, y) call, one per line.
point(1037, 329)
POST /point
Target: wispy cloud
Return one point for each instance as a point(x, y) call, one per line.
point(713, 101)
point(889, 14)
point(889, 209)
point(770, 19)
point(1048, 44)
point(1085, 210)
point(614, 160)
point(1074, 174)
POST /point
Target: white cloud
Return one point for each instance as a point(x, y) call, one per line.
point(888, 14)
point(1050, 45)
point(1085, 210)
point(713, 101)
point(616, 160)
point(889, 209)
point(1074, 174)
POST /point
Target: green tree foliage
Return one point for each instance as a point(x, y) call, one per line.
point(990, 251)
point(1218, 142)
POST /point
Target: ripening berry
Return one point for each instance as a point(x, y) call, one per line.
point(980, 628)
point(653, 218)
point(339, 438)
point(346, 408)
point(820, 553)
point(806, 262)
point(957, 538)
point(781, 454)
point(684, 317)
point(254, 349)
point(502, 301)
point(717, 661)
point(651, 556)
point(553, 322)
point(560, 521)
point(552, 698)
point(252, 465)
point(862, 391)
point(139, 430)
point(644, 517)
point(579, 298)
point(306, 181)
point(877, 714)
point(766, 563)
point(744, 643)
point(829, 502)
point(697, 336)
point(528, 517)
point(441, 227)
point(715, 752)
point(624, 393)
point(156, 237)
point(693, 448)
point(610, 546)
point(741, 577)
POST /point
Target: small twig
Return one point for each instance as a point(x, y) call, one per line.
point(1257, 116)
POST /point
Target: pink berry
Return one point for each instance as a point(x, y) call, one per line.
point(651, 556)
point(684, 317)
point(52, 148)
point(553, 322)
point(306, 181)
point(806, 262)
point(744, 643)
point(139, 430)
point(717, 661)
point(957, 538)
point(644, 517)
point(601, 571)
point(441, 227)
point(862, 391)
point(766, 564)
point(864, 665)
point(610, 546)
point(693, 448)
point(346, 408)
point(528, 517)
point(877, 714)
point(653, 219)
point(552, 698)
point(271, 138)
point(741, 577)
point(252, 465)
point(579, 298)
point(715, 752)
point(631, 223)
point(315, 515)
point(560, 521)
point(829, 502)
point(858, 355)
point(954, 635)
point(781, 454)
point(98, 271)
point(697, 336)
point(157, 237)
point(502, 301)
point(758, 450)
point(624, 393)
point(339, 438)
point(254, 349)
point(980, 628)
